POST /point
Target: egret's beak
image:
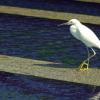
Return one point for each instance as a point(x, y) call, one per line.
point(67, 23)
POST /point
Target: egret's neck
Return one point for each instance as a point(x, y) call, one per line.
point(78, 24)
point(74, 27)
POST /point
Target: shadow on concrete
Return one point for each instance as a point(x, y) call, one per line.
point(59, 65)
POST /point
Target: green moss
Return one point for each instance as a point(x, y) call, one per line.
point(43, 98)
point(69, 60)
point(46, 52)
point(51, 49)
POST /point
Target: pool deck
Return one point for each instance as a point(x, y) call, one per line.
point(50, 70)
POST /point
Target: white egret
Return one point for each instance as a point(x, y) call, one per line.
point(85, 35)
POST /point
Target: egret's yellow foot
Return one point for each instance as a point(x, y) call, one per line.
point(83, 66)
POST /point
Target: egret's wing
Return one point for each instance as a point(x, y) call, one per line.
point(88, 36)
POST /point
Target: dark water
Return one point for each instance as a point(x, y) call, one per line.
point(41, 39)
point(21, 87)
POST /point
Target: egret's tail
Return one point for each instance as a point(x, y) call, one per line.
point(99, 45)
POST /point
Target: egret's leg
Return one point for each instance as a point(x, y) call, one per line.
point(94, 53)
point(85, 63)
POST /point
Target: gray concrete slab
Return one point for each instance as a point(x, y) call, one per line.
point(49, 14)
point(49, 70)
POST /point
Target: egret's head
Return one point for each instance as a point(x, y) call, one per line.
point(71, 22)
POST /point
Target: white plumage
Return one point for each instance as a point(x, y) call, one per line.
point(86, 35)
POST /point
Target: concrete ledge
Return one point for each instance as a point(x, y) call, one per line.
point(49, 14)
point(49, 70)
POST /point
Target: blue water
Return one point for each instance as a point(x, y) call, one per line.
point(24, 37)
point(21, 87)
point(27, 37)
